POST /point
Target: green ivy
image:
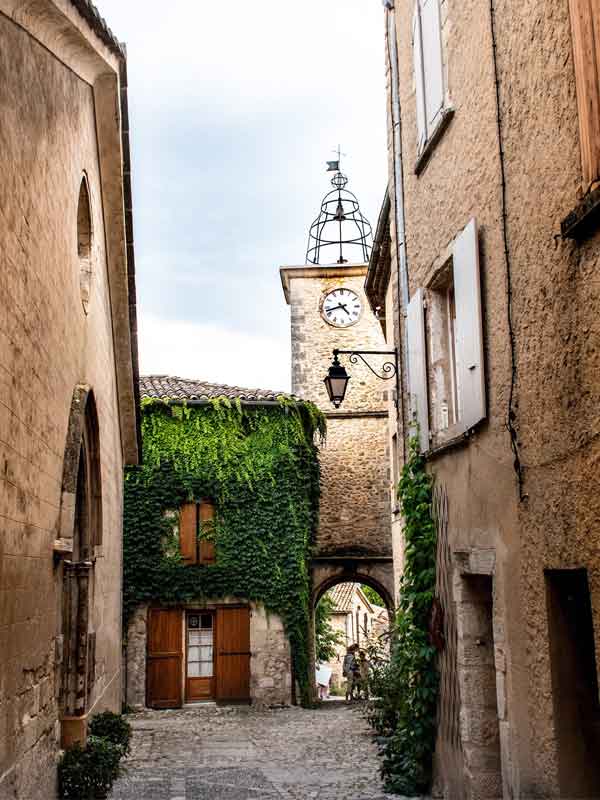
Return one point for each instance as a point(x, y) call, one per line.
point(260, 466)
point(406, 685)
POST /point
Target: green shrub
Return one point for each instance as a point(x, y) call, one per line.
point(88, 773)
point(113, 727)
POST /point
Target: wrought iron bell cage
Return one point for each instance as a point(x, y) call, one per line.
point(340, 228)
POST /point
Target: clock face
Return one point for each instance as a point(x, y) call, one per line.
point(341, 308)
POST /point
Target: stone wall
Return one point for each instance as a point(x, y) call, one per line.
point(48, 346)
point(555, 304)
point(270, 662)
point(355, 506)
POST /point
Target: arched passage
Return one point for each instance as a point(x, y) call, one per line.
point(343, 616)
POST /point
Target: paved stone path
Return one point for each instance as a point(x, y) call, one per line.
point(209, 753)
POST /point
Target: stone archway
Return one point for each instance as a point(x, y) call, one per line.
point(376, 572)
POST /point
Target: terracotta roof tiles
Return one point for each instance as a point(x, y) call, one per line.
point(169, 387)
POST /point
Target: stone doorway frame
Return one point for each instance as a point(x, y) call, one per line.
point(481, 673)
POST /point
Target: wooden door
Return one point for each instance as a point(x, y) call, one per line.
point(200, 672)
point(233, 654)
point(165, 658)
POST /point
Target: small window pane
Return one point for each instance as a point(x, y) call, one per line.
point(195, 637)
point(206, 621)
point(193, 621)
point(206, 637)
point(206, 669)
point(206, 654)
point(194, 654)
point(193, 670)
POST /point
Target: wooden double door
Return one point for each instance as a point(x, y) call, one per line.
point(198, 655)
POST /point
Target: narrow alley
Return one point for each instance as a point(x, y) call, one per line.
point(239, 754)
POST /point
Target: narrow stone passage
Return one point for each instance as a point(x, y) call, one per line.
point(209, 753)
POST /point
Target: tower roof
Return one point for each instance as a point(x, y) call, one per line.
point(340, 234)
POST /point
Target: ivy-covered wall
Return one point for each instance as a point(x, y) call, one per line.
point(260, 466)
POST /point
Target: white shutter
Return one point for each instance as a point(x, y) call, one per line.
point(419, 78)
point(469, 327)
point(417, 366)
point(433, 71)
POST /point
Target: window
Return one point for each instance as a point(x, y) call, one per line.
point(196, 532)
point(429, 73)
point(84, 243)
point(200, 646)
point(585, 31)
point(445, 347)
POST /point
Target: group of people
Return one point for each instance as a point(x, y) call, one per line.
point(355, 670)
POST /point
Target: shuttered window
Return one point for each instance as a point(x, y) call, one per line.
point(449, 396)
point(429, 70)
point(417, 367)
point(196, 532)
point(585, 32)
point(469, 330)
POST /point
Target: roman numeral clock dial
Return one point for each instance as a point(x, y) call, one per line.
point(341, 308)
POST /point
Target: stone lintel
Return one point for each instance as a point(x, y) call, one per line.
point(476, 561)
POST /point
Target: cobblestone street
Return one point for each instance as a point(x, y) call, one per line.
point(209, 753)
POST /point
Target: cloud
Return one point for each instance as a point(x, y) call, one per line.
point(214, 353)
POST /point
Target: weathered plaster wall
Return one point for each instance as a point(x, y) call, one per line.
point(270, 662)
point(48, 346)
point(555, 308)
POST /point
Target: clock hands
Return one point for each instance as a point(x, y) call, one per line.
point(341, 305)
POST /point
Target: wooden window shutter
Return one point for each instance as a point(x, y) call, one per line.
point(433, 69)
point(417, 366)
point(470, 376)
point(207, 547)
point(585, 32)
point(419, 78)
point(188, 533)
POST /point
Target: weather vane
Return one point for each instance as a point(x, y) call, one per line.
point(340, 223)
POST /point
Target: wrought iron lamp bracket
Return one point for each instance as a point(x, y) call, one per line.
point(388, 370)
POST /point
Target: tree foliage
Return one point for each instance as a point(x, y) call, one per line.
point(406, 685)
point(325, 635)
point(372, 596)
point(260, 467)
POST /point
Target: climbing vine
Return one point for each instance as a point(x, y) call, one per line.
point(259, 465)
point(406, 684)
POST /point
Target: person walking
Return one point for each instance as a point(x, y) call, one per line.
point(350, 670)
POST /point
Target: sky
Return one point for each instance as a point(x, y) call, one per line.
point(235, 107)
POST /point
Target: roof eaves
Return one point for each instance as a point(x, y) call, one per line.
point(97, 23)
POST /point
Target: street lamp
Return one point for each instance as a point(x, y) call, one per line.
point(336, 381)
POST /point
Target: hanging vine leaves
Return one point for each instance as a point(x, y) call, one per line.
point(259, 464)
point(406, 686)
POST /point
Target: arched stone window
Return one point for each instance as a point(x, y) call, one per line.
point(84, 242)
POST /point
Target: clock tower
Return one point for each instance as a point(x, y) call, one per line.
point(329, 310)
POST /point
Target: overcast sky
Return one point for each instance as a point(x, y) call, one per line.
point(235, 107)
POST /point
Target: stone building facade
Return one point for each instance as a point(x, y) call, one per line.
point(353, 540)
point(485, 263)
point(68, 357)
point(213, 645)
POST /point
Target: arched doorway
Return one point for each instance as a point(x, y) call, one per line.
point(348, 616)
point(81, 517)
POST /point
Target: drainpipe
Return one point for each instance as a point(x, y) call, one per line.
point(398, 189)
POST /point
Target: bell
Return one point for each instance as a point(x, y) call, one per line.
point(339, 215)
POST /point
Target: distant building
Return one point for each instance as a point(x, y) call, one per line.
point(485, 274)
point(68, 382)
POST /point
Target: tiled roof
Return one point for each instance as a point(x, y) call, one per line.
point(168, 387)
point(342, 595)
point(98, 24)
